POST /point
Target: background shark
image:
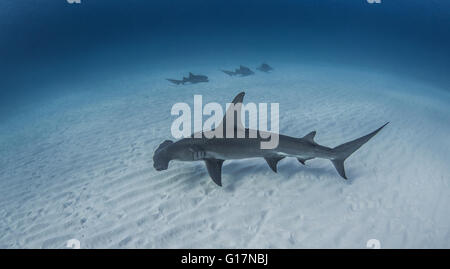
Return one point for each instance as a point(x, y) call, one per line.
point(214, 151)
point(265, 68)
point(242, 71)
point(192, 79)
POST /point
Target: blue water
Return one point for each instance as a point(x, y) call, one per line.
point(55, 45)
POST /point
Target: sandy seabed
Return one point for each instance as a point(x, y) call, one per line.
point(81, 167)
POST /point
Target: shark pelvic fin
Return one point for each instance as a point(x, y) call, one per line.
point(310, 137)
point(302, 161)
point(272, 162)
point(214, 167)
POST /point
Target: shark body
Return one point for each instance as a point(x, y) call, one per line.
point(193, 79)
point(214, 151)
point(242, 71)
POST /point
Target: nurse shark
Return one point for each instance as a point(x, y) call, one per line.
point(193, 79)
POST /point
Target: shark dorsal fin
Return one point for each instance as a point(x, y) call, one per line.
point(310, 137)
point(214, 167)
point(235, 110)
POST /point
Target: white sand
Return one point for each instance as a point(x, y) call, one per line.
point(81, 167)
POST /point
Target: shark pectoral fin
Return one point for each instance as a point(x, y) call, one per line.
point(272, 162)
point(303, 160)
point(214, 167)
point(310, 137)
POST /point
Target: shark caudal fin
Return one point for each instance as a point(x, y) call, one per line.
point(343, 151)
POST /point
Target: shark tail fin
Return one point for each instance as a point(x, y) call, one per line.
point(343, 151)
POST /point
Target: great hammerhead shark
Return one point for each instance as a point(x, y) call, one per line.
point(214, 151)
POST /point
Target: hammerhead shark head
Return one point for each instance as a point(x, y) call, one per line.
point(265, 68)
point(192, 79)
point(242, 71)
point(214, 151)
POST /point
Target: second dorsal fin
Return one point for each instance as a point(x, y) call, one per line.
point(310, 137)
